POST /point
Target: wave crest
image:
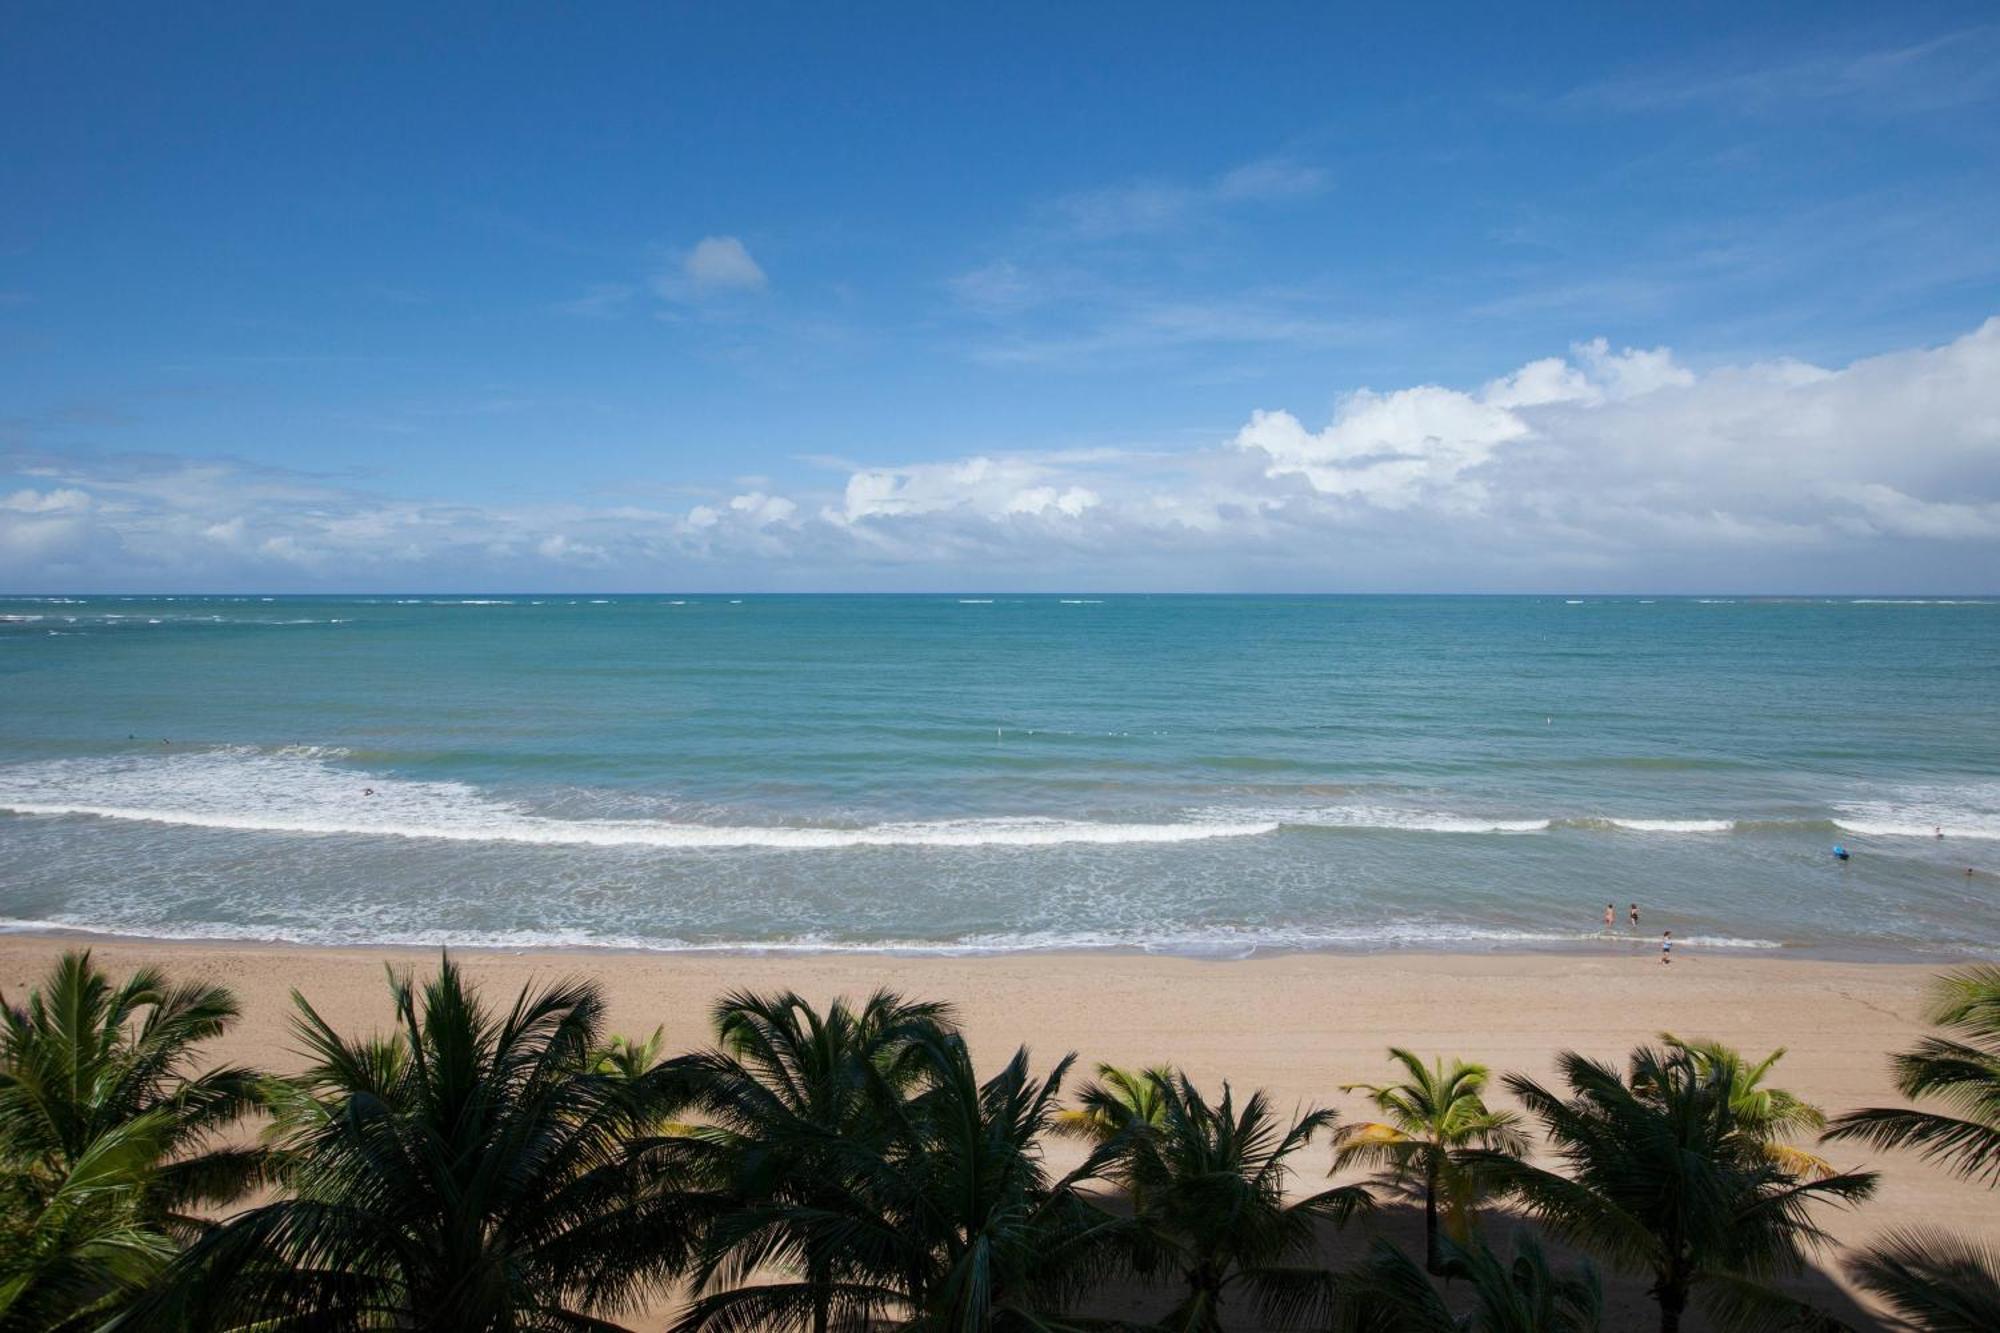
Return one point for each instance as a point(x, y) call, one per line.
point(299, 791)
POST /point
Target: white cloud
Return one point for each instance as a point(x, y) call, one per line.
point(561, 549)
point(1140, 207)
point(1953, 70)
point(1272, 178)
point(763, 510)
point(1427, 444)
point(62, 500)
point(983, 487)
point(722, 264)
point(1602, 468)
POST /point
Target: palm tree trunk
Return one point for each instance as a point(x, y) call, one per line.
point(1433, 1261)
point(1673, 1301)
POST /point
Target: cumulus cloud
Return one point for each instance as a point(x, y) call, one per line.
point(982, 487)
point(1602, 468)
point(1429, 444)
point(721, 264)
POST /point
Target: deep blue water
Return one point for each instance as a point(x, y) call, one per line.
point(1195, 773)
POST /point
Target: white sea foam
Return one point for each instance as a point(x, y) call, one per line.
point(303, 791)
point(1380, 817)
point(1671, 825)
point(1969, 810)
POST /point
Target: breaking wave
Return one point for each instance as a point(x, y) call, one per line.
point(301, 791)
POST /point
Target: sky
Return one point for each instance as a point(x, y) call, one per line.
point(902, 297)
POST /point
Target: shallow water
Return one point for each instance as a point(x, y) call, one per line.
point(983, 773)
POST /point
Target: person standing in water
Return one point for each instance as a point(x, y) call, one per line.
point(1610, 917)
point(1666, 948)
point(1633, 916)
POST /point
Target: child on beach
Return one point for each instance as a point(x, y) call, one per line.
point(1666, 948)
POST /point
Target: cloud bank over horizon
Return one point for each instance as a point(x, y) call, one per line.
point(1603, 469)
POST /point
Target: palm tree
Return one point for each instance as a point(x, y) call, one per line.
point(1960, 1072)
point(1119, 1099)
point(1433, 1113)
point(1389, 1293)
point(1000, 1245)
point(941, 1216)
point(1771, 1114)
point(469, 1172)
point(1664, 1178)
point(789, 1096)
point(1208, 1183)
point(84, 1057)
point(1934, 1281)
point(629, 1057)
point(76, 1248)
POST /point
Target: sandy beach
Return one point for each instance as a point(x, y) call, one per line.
point(1298, 1025)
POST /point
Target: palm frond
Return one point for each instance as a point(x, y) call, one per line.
point(1934, 1281)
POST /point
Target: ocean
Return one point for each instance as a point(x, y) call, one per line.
point(970, 774)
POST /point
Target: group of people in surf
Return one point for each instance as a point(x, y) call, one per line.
point(1632, 920)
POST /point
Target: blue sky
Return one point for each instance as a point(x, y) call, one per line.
point(904, 297)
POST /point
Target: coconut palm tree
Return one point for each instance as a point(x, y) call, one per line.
point(1770, 1113)
point(1959, 1072)
point(998, 1244)
point(1434, 1112)
point(1389, 1293)
point(1665, 1179)
point(789, 1096)
point(1209, 1187)
point(84, 1056)
point(1117, 1100)
point(75, 1248)
point(469, 1172)
point(934, 1213)
point(1935, 1281)
point(629, 1057)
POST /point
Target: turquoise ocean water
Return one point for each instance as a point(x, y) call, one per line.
point(1190, 774)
